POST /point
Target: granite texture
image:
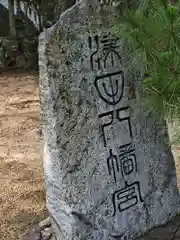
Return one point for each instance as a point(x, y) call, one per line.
point(109, 174)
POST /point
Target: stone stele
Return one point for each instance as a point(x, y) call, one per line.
point(109, 173)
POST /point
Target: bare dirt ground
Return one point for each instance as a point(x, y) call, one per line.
point(22, 199)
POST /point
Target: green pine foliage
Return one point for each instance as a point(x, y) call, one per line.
point(151, 29)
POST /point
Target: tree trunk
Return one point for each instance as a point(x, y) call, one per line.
point(12, 24)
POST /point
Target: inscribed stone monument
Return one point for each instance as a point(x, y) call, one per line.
point(109, 174)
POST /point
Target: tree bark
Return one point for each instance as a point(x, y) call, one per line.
point(12, 24)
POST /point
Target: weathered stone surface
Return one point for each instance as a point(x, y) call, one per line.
point(45, 223)
point(109, 174)
point(46, 234)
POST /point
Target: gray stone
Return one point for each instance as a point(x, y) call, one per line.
point(45, 223)
point(46, 234)
point(109, 172)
